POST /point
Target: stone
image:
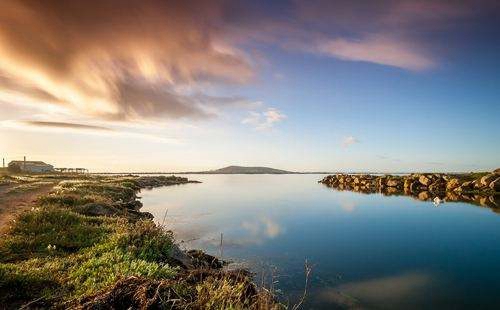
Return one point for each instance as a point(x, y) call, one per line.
point(495, 185)
point(495, 200)
point(452, 184)
point(392, 183)
point(467, 186)
point(477, 184)
point(438, 186)
point(424, 196)
point(487, 179)
point(391, 190)
point(415, 186)
point(497, 171)
point(425, 180)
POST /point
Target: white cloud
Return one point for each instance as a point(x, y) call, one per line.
point(264, 120)
point(348, 141)
point(381, 50)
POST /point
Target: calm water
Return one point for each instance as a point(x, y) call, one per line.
point(366, 251)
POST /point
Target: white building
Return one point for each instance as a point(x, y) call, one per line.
point(30, 166)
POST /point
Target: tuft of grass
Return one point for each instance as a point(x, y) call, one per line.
point(64, 274)
point(34, 231)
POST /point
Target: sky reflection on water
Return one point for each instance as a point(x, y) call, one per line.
point(367, 251)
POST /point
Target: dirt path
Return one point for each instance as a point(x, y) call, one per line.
point(13, 203)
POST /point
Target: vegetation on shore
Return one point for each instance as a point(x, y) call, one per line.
point(480, 188)
point(86, 245)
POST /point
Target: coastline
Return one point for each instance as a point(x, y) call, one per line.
point(477, 188)
point(88, 245)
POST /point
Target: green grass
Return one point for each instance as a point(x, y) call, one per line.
point(57, 256)
point(34, 231)
point(90, 254)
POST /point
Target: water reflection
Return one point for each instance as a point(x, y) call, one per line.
point(397, 291)
point(364, 248)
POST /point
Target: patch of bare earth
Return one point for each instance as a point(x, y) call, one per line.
point(13, 202)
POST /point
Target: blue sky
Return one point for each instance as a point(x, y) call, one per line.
point(316, 85)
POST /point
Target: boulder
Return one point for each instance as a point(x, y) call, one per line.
point(391, 191)
point(415, 186)
point(495, 185)
point(392, 183)
point(495, 200)
point(466, 186)
point(487, 179)
point(477, 184)
point(424, 196)
point(452, 184)
point(438, 186)
point(425, 180)
point(497, 171)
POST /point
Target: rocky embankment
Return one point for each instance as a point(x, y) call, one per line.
point(478, 188)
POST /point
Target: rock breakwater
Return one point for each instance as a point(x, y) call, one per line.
point(478, 188)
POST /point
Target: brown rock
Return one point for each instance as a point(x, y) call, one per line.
point(487, 179)
point(497, 171)
point(495, 185)
point(415, 186)
point(495, 200)
point(438, 186)
point(424, 196)
point(425, 180)
point(452, 184)
point(393, 183)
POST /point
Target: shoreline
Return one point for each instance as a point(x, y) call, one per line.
point(477, 188)
point(88, 245)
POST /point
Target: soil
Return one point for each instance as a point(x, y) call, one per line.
point(12, 204)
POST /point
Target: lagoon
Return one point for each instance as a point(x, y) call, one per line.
point(366, 251)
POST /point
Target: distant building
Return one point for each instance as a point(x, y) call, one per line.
point(30, 166)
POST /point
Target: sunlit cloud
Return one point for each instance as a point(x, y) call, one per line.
point(348, 141)
point(264, 120)
point(76, 128)
point(116, 60)
point(379, 50)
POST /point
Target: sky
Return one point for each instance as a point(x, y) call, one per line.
point(159, 85)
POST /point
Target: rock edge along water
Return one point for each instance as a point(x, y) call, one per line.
point(478, 188)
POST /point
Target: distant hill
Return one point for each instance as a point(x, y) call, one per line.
point(247, 170)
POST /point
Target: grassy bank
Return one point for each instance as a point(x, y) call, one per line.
point(87, 245)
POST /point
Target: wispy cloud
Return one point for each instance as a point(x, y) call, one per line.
point(77, 128)
point(264, 120)
point(379, 50)
point(349, 140)
point(66, 125)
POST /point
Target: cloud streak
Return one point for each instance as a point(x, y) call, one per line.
point(378, 50)
point(264, 120)
point(115, 59)
point(64, 125)
point(348, 141)
point(133, 60)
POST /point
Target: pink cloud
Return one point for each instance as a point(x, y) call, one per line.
point(377, 49)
